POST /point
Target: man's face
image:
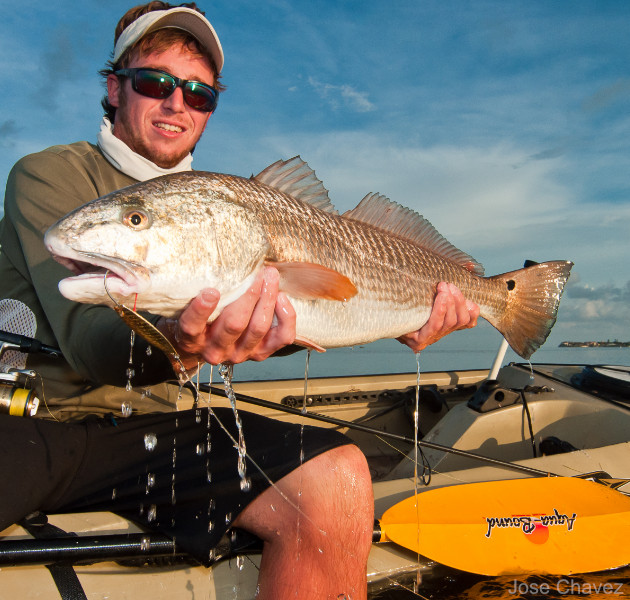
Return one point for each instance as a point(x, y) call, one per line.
point(164, 131)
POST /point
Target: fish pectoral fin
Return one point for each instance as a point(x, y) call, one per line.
point(306, 343)
point(310, 281)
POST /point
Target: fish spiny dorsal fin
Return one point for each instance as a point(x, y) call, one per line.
point(379, 211)
point(296, 178)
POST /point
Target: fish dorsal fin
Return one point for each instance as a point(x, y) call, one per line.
point(296, 178)
point(379, 211)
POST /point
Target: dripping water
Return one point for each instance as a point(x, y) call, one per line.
point(150, 441)
point(416, 483)
point(126, 407)
point(226, 372)
point(304, 411)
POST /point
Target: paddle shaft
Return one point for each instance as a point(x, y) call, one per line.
point(365, 429)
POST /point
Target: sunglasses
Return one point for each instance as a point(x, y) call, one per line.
point(154, 83)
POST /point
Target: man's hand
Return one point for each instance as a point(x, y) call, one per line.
point(451, 311)
point(241, 332)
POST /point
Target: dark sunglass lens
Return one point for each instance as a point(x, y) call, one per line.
point(154, 84)
point(200, 97)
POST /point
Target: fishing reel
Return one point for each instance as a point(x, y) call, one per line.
point(17, 397)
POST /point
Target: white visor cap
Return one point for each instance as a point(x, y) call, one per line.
point(183, 18)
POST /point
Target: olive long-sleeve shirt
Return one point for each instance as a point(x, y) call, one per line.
point(92, 375)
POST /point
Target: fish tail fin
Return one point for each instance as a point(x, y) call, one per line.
point(532, 305)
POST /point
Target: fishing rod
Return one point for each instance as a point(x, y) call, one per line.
point(205, 387)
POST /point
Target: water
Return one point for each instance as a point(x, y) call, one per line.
point(226, 372)
point(471, 349)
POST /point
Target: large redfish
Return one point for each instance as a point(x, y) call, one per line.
point(370, 273)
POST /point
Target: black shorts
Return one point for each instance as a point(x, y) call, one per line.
point(175, 473)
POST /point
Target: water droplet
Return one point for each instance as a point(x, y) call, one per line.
point(212, 555)
point(152, 513)
point(150, 481)
point(228, 518)
point(246, 484)
point(130, 373)
point(150, 441)
point(114, 494)
point(210, 526)
point(200, 449)
point(149, 350)
point(145, 544)
point(126, 409)
point(226, 372)
point(197, 416)
point(211, 506)
point(240, 562)
point(272, 507)
point(129, 387)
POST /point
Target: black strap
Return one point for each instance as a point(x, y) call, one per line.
point(64, 576)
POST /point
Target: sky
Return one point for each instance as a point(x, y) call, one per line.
point(506, 123)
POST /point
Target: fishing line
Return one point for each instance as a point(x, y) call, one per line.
point(271, 483)
point(41, 380)
point(183, 374)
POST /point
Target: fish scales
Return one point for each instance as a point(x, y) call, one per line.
point(381, 267)
point(371, 273)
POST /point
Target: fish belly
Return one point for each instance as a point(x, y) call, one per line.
point(332, 324)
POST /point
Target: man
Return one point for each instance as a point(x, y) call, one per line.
point(316, 519)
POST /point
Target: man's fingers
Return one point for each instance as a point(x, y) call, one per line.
point(194, 318)
point(233, 320)
point(280, 334)
point(261, 319)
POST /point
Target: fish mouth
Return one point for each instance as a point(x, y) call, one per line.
point(97, 275)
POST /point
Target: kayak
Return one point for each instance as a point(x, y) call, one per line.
point(525, 470)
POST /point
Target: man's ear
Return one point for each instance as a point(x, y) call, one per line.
point(113, 90)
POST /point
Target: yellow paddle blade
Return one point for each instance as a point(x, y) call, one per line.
point(554, 525)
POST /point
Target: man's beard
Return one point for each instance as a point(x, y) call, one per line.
point(140, 146)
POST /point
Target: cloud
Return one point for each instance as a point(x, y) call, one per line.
point(57, 64)
point(8, 130)
point(606, 293)
point(606, 305)
point(345, 95)
point(608, 95)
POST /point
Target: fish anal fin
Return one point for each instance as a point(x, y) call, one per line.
point(306, 343)
point(379, 211)
point(310, 281)
point(295, 178)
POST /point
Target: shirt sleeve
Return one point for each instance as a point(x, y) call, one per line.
point(94, 341)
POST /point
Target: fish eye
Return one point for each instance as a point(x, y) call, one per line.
point(136, 219)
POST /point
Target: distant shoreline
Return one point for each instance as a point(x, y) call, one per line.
point(607, 344)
